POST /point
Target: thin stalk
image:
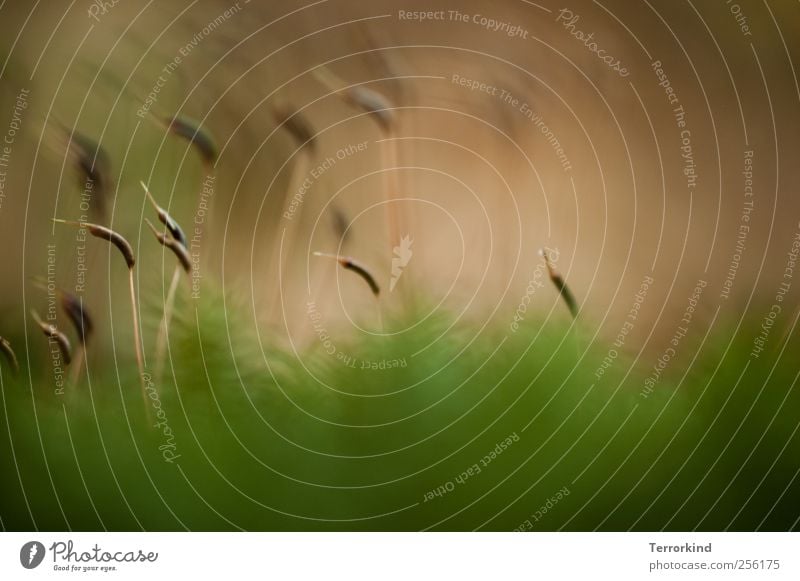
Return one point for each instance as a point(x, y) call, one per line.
point(382, 112)
point(126, 250)
point(51, 332)
point(361, 270)
point(295, 180)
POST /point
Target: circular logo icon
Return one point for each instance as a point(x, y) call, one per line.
point(31, 554)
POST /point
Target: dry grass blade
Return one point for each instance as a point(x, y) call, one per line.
point(196, 135)
point(350, 264)
point(94, 167)
point(560, 285)
point(341, 224)
point(60, 338)
point(74, 309)
point(5, 347)
point(164, 217)
point(295, 123)
point(127, 252)
point(369, 101)
point(92, 158)
point(106, 234)
point(177, 248)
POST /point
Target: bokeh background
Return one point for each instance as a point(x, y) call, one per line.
point(351, 413)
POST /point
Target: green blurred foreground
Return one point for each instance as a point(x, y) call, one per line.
point(516, 432)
